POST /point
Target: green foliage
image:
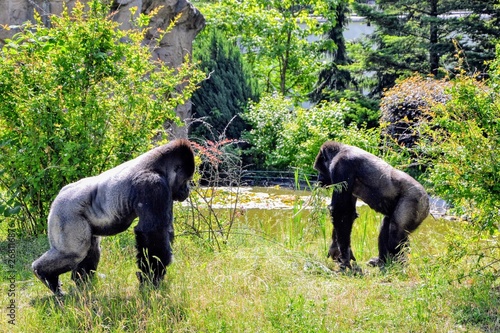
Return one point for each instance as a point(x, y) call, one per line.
point(76, 99)
point(465, 139)
point(267, 119)
point(415, 36)
point(226, 91)
point(274, 36)
point(284, 135)
point(362, 111)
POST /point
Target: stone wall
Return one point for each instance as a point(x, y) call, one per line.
point(173, 47)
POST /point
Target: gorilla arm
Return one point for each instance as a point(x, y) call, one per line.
point(153, 232)
point(342, 210)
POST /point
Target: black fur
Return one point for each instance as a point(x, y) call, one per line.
point(359, 174)
point(106, 204)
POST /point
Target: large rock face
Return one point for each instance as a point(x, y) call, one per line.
point(173, 47)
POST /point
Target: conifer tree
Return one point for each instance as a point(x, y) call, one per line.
point(424, 36)
point(335, 81)
point(226, 91)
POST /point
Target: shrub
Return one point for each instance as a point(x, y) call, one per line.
point(408, 104)
point(284, 135)
point(465, 139)
point(75, 100)
point(405, 111)
point(226, 91)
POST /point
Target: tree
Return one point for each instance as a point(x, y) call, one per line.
point(335, 81)
point(273, 36)
point(75, 100)
point(333, 77)
point(225, 93)
point(418, 36)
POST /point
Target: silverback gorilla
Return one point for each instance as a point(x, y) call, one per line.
point(106, 204)
point(402, 200)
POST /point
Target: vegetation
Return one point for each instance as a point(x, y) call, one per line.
point(83, 96)
point(74, 101)
point(335, 80)
point(424, 37)
point(465, 138)
point(273, 35)
point(286, 135)
point(223, 96)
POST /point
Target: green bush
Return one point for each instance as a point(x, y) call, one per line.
point(75, 100)
point(465, 138)
point(284, 135)
point(405, 106)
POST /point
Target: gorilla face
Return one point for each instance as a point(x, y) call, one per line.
point(182, 192)
point(321, 165)
point(179, 183)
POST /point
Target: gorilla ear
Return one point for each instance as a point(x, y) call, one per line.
point(321, 163)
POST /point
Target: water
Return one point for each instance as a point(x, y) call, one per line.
point(294, 217)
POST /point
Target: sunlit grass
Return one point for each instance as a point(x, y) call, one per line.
point(271, 276)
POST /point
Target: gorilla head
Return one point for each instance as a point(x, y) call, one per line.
point(402, 200)
point(106, 204)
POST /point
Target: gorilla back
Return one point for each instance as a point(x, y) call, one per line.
point(106, 204)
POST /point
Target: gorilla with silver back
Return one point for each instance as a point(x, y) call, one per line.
point(106, 204)
point(398, 196)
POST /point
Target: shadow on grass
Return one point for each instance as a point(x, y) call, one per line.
point(91, 308)
point(479, 306)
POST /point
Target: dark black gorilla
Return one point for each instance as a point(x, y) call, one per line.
point(106, 204)
point(359, 174)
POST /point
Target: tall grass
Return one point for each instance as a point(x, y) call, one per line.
point(263, 282)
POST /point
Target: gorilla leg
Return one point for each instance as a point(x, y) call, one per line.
point(392, 242)
point(408, 215)
point(343, 214)
point(69, 245)
point(383, 240)
point(85, 270)
point(334, 251)
point(153, 254)
point(52, 264)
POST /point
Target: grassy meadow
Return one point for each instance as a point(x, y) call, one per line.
point(270, 275)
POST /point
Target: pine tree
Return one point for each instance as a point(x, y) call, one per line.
point(335, 81)
point(418, 36)
point(226, 91)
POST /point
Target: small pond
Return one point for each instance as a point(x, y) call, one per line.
point(282, 214)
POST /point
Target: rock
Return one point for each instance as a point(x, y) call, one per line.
point(173, 48)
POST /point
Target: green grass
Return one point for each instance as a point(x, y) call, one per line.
point(266, 280)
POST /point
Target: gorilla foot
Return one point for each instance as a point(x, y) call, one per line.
point(52, 283)
point(353, 269)
point(145, 279)
point(376, 262)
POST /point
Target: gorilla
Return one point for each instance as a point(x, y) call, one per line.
point(106, 204)
point(359, 174)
